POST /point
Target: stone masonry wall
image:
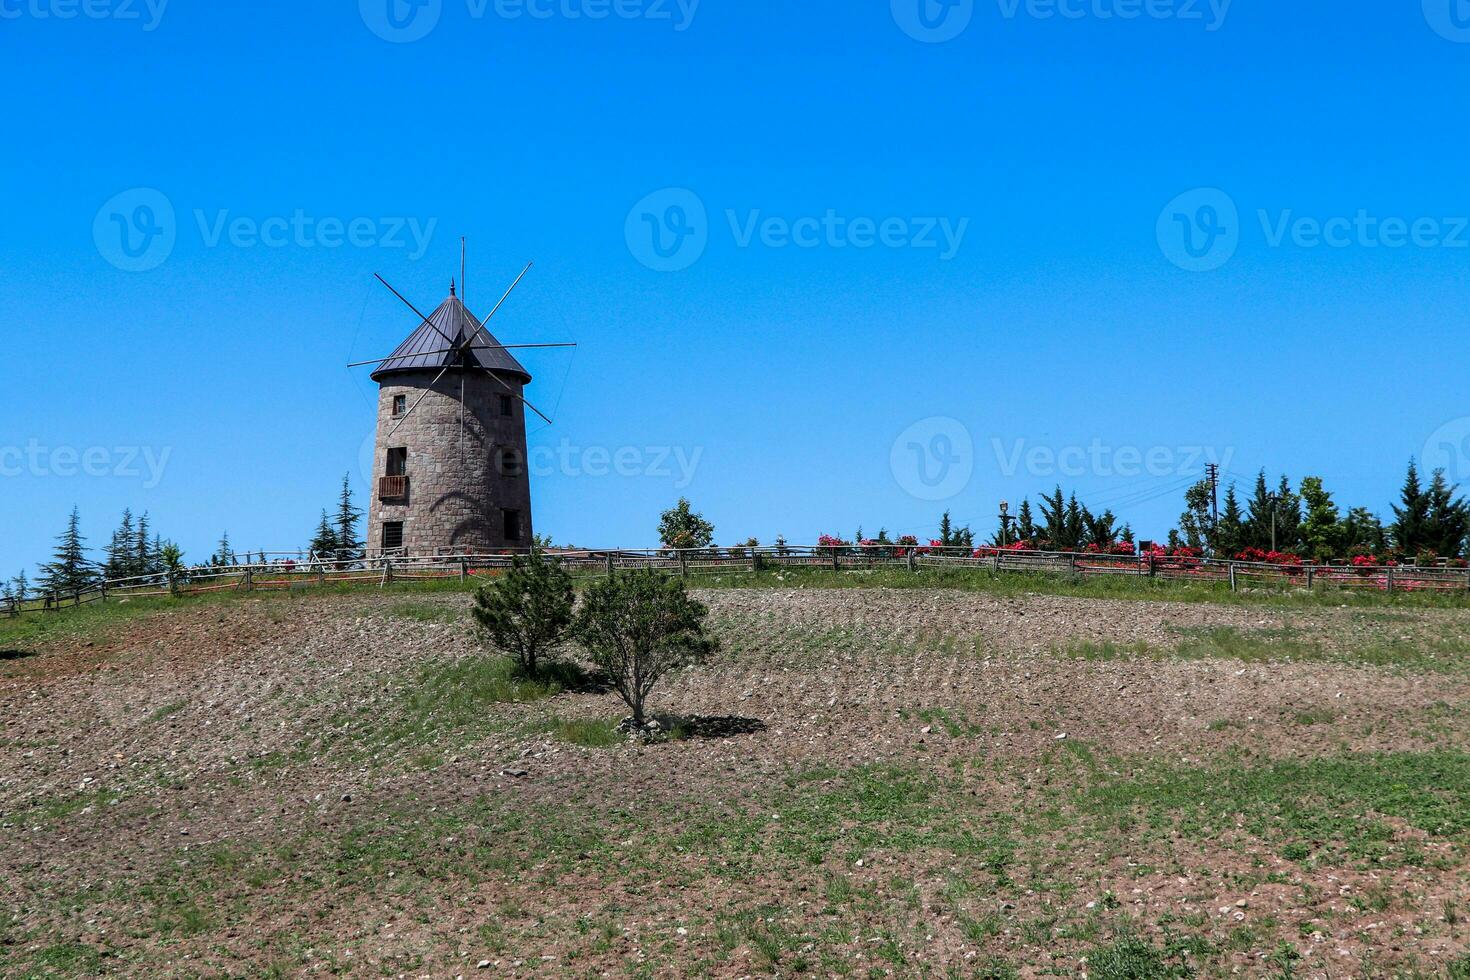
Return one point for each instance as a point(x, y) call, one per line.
point(457, 493)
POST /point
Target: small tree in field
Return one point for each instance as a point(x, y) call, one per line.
point(638, 626)
point(528, 613)
point(681, 527)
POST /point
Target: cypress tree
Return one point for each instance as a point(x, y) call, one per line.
point(1230, 532)
point(143, 558)
point(1075, 528)
point(1054, 513)
point(1258, 515)
point(1321, 531)
point(1288, 517)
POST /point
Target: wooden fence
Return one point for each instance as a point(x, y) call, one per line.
point(281, 571)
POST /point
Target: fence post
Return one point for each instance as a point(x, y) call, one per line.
point(464, 569)
point(683, 562)
point(388, 572)
point(173, 583)
point(836, 564)
point(249, 580)
point(1310, 574)
point(1153, 567)
point(913, 565)
point(1390, 580)
point(609, 563)
point(755, 560)
point(76, 596)
point(1232, 577)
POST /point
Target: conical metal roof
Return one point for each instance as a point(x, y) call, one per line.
point(432, 346)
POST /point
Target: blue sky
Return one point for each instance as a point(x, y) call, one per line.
point(895, 274)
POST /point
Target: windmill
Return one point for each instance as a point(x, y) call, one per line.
point(461, 335)
point(430, 498)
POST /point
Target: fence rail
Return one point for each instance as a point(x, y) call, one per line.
point(287, 571)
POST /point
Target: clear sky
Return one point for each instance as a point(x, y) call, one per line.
point(910, 256)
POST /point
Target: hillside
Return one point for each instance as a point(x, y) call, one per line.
point(864, 781)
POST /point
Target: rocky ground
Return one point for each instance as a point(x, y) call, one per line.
point(902, 783)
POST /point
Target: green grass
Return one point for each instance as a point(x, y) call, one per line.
point(1445, 653)
point(1331, 808)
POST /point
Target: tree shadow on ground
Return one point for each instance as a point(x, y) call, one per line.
point(16, 654)
point(710, 726)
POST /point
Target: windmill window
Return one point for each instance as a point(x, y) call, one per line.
point(398, 462)
point(512, 525)
point(506, 408)
point(392, 534)
point(400, 406)
point(510, 462)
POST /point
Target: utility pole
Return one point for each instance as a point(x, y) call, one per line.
point(1275, 505)
point(1212, 473)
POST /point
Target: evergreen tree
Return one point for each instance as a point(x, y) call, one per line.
point(143, 560)
point(1288, 517)
point(1054, 513)
point(1411, 519)
point(1230, 533)
point(1448, 520)
point(223, 554)
point(1128, 534)
point(349, 548)
point(123, 548)
point(1258, 515)
point(324, 542)
point(1321, 532)
point(1100, 530)
point(951, 536)
point(1074, 527)
point(1025, 523)
point(20, 586)
point(69, 568)
point(1363, 534)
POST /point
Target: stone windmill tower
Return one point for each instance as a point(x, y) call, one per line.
point(450, 474)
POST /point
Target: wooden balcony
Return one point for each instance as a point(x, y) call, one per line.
point(392, 488)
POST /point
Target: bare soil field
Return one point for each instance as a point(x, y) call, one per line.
point(862, 782)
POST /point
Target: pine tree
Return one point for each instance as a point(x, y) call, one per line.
point(1258, 515)
point(1230, 532)
point(1321, 531)
point(1074, 527)
point(324, 543)
point(1288, 517)
point(1101, 530)
point(1025, 523)
point(20, 586)
point(123, 547)
point(69, 569)
point(1411, 519)
point(223, 554)
point(1128, 534)
point(1448, 519)
point(349, 548)
point(143, 560)
point(1054, 513)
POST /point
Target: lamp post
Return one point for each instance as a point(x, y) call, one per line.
point(1005, 523)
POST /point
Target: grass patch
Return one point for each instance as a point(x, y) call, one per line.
point(593, 733)
point(1440, 654)
point(1329, 808)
